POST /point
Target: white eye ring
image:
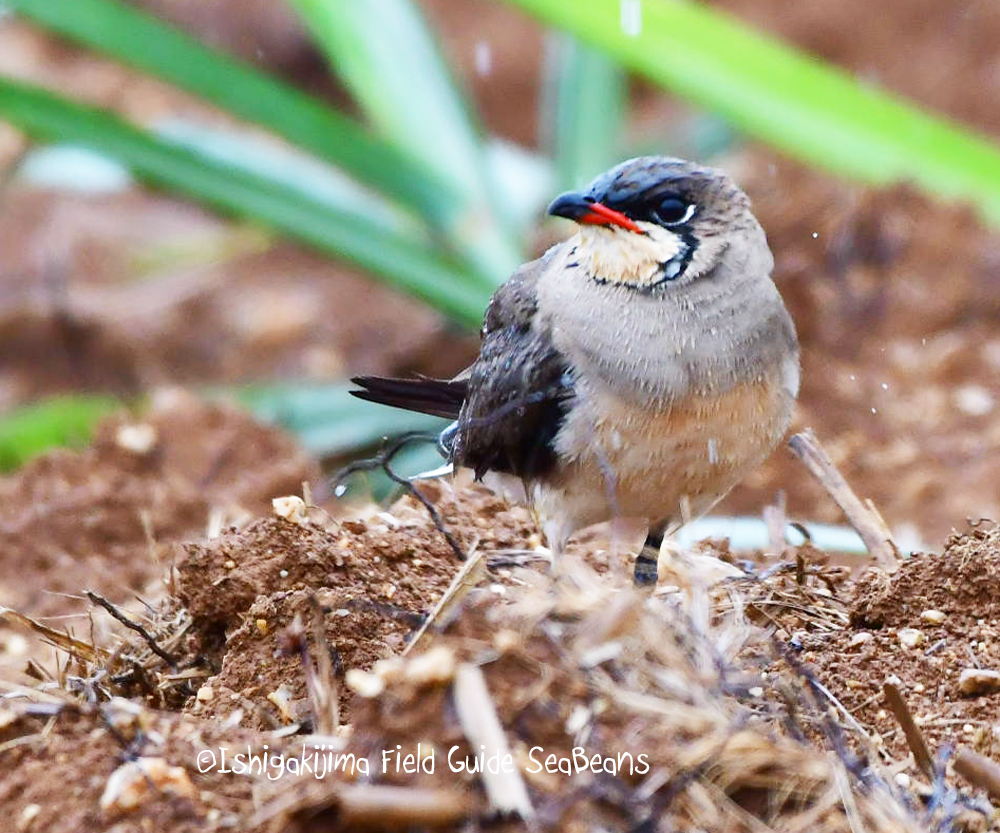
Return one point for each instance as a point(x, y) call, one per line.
point(689, 212)
point(687, 216)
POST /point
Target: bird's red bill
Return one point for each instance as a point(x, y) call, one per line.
point(601, 215)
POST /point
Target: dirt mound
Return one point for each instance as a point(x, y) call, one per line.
point(963, 582)
point(374, 581)
point(931, 627)
point(107, 518)
point(636, 710)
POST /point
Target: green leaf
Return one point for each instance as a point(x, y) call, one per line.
point(140, 39)
point(406, 262)
point(59, 421)
point(807, 108)
point(299, 172)
point(584, 100)
point(330, 422)
point(385, 54)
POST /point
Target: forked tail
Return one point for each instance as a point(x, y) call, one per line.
point(437, 397)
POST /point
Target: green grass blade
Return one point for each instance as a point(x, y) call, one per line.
point(143, 41)
point(405, 262)
point(59, 421)
point(300, 172)
point(583, 109)
point(385, 54)
point(799, 104)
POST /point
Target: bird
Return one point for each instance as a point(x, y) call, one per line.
point(636, 371)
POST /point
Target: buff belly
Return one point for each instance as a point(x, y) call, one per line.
point(664, 465)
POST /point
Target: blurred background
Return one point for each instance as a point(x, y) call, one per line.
point(255, 199)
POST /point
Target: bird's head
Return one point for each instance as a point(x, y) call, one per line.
point(654, 221)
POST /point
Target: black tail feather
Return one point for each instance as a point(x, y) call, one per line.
point(438, 397)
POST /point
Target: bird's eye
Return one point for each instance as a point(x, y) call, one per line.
point(672, 212)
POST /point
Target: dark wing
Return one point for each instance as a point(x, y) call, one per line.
point(427, 396)
point(510, 403)
point(517, 389)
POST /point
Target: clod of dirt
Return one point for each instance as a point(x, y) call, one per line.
point(973, 681)
point(962, 583)
point(107, 518)
point(374, 579)
point(947, 676)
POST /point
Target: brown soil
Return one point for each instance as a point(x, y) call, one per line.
point(963, 583)
point(241, 634)
point(131, 291)
point(108, 518)
point(374, 579)
point(82, 748)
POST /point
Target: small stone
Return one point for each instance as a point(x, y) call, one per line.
point(978, 681)
point(283, 573)
point(139, 438)
point(292, 508)
point(506, 640)
point(262, 626)
point(934, 617)
point(755, 691)
point(974, 400)
point(860, 639)
point(205, 694)
point(910, 637)
point(14, 645)
point(903, 780)
point(229, 564)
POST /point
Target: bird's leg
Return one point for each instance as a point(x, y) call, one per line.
point(557, 533)
point(647, 561)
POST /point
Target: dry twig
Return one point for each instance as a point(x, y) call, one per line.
point(914, 737)
point(979, 771)
point(70, 644)
point(154, 646)
point(473, 570)
point(867, 523)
